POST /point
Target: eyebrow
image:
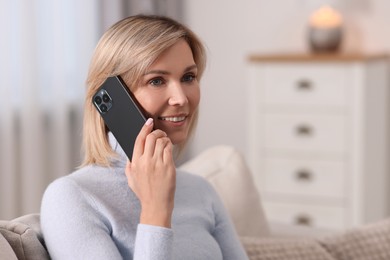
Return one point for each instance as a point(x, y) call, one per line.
point(163, 72)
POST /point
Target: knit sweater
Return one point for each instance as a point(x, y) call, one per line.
point(93, 214)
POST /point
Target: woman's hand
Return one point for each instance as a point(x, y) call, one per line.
point(152, 175)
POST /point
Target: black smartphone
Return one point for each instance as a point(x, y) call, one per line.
point(120, 112)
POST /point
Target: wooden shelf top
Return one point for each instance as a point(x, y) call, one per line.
point(310, 57)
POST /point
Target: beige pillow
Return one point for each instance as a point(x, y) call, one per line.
point(6, 251)
point(227, 171)
point(24, 237)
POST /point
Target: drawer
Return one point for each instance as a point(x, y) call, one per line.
point(303, 84)
point(305, 133)
point(316, 216)
point(305, 177)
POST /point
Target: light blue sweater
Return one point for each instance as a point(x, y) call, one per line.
point(93, 214)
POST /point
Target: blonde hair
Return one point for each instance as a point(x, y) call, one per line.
point(127, 49)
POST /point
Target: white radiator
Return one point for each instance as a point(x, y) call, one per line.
point(43, 66)
point(37, 147)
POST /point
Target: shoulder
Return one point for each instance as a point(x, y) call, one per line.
point(61, 191)
point(84, 178)
point(70, 198)
point(69, 182)
point(73, 187)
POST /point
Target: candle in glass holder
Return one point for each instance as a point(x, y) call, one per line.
point(325, 30)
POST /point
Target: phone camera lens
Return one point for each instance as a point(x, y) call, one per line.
point(98, 100)
point(106, 98)
point(103, 108)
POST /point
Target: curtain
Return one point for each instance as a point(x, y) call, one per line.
point(45, 50)
point(114, 10)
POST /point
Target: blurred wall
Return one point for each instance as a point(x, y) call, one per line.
point(233, 29)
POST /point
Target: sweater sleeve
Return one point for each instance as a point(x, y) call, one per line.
point(71, 226)
point(153, 242)
point(224, 231)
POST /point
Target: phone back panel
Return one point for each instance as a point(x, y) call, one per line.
point(121, 114)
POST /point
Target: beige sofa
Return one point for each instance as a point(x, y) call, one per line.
point(21, 239)
point(226, 170)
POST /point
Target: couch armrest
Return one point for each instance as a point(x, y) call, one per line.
point(24, 237)
point(371, 241)
point(277, 248)
point(6, 251)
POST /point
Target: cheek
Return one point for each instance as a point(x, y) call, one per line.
point(148, 103)
point(194, 97)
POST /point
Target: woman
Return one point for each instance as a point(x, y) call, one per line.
point(112, 208)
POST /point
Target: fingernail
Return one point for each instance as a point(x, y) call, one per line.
point(149, 121)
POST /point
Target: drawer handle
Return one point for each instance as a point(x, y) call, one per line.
point(305, 85)
point(304, 175)
point(303, 220)
point(304, 130)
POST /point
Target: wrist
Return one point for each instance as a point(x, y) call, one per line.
point(160, 218)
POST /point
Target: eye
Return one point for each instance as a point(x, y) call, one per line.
point(156, 81)
point(190, 77)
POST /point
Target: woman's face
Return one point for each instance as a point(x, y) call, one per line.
point(169, 91)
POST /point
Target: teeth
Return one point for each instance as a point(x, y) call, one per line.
point(174, 119)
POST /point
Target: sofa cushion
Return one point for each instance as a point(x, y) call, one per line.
point(225, 168)
point(6, 251)
point(24, 237)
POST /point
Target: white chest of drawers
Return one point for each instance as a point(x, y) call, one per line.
point(318, 138)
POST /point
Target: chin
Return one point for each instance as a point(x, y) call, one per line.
point(177, 140)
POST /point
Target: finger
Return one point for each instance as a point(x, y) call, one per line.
point(150, 142)
point(168, 153)
point(139, 144)
point(161, 143)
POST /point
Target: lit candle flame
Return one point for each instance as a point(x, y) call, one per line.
point(326, 17)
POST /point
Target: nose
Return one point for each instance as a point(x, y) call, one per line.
point(177, 95)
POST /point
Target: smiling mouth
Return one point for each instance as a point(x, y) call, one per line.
point(173, 118)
